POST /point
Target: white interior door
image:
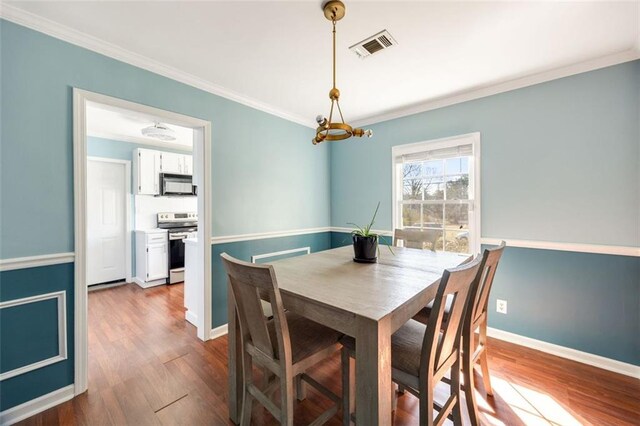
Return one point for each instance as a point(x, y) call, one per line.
point(106, 221)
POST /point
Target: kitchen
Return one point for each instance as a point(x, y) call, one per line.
point(142, 204)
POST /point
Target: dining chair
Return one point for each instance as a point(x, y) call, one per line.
point(475, 320)
point(416, 238)
point(421, 354)
point(285, 346)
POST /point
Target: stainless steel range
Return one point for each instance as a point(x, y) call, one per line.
point(179, 226)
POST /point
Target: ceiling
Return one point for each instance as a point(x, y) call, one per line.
point(115, 123)
point(276, 55)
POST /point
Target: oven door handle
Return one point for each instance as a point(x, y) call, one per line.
point(178, 236)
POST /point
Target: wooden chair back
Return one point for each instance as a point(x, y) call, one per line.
point(488, 267)
point(416, 238)
point(441, 345)
point(250, 283)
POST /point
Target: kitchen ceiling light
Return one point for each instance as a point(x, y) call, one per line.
point(159, 131)
point(328, 130)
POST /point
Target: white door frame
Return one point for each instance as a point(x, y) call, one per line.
point(80, 100)
point(127, 206)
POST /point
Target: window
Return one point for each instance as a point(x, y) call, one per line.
point(437, 189)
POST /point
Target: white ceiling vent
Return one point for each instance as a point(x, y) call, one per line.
point(376, 43)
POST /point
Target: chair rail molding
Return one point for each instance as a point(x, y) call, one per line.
point(61, 298)
point(35, 261)
point(256, 257)
point(265, 235)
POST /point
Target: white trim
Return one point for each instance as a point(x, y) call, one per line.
point(148, 284)
point(70, 35)
point(139, 141)
point(504, 86)
point(568, 353)
point(35, 406)
point(573, 247)
point(475, 207)
point(279, 253)
point(540, 245)
point(35, 261)
point(127, 205)
point(382, 232)
point(191, 317)
point(202, 135)
point(61, 299)
point(219, 331)
point(265, 235)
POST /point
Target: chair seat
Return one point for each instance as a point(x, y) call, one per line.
point(406, 347)
point(423, 315)
point(307, 337)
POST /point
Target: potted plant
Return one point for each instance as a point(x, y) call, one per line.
point(365, 242)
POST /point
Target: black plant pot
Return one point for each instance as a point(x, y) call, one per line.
point(365, 249)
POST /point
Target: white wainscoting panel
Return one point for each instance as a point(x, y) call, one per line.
point(61, 297)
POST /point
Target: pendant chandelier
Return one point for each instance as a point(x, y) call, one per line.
point(328, 130)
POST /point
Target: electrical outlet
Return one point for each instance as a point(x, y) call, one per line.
point(501, 306)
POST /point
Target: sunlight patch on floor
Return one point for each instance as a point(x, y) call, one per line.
point(531, 406)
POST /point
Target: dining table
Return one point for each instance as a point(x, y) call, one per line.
point(368, 301)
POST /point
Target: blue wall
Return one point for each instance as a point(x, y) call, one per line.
point(560, 162)
point(266, 175)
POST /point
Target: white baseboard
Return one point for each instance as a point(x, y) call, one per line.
point(35, 406)
point(219, 331)
point(149, 284)
point(191, 317)
point(568, 353)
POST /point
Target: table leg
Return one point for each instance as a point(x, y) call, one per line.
point(373, 372)
point(235, 361)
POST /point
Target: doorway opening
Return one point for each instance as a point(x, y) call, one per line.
point(142, 182)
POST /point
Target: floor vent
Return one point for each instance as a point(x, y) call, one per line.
point(376, 43)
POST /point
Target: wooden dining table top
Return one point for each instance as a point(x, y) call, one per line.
point(370, 290)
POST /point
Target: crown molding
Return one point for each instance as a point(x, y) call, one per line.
point(504, 86)
point(70, 35)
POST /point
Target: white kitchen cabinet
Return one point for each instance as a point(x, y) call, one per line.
point(172, 163)
point(149, 163)
point(146, 173)
point(152, 258)
point(187, 168)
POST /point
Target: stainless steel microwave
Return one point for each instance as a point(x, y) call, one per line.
point(177, 185)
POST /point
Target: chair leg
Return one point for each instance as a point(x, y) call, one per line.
point(247, 398)
point(455, 390)
point(286, 400)
point(301, 389)
point(484, 363)
point(426, 403)
point(394, 396)
point(348, 382)
point(469, 384)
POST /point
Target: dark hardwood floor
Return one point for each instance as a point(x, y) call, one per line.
point(148, 367)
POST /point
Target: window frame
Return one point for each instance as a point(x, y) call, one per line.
point(475, 210)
